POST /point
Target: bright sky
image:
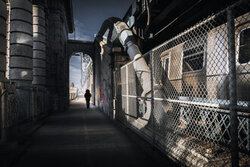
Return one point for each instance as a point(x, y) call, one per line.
point(90, 14)
point(88, 18)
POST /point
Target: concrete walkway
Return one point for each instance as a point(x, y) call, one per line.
point(81, 137)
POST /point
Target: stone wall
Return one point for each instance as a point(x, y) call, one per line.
point(36, 81)
point(105, 63)
point(58, 61)
point(39, 42)
point(3, 15)
point(21, 42)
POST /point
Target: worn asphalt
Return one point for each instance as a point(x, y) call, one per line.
point(83, 137)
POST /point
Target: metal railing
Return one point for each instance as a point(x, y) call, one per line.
point(198, 110)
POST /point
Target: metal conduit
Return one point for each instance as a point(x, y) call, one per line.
point(113, 31)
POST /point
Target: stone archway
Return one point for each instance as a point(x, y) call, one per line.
point(85, 47)
point(75, 46)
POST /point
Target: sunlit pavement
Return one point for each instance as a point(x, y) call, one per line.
point(82, 137)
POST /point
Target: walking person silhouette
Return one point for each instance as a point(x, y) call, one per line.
point(87, 96)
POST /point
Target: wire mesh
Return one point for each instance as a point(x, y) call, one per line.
point(134, 102)
point(190, 73)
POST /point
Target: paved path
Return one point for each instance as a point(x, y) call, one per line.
point(82, 138)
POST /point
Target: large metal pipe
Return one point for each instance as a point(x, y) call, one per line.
point(141, 68)
point(114, 31)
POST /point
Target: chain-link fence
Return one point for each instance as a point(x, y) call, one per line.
point(200, 85)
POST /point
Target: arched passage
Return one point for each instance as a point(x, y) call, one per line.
point(76, 46)
point(81, 75)
point(85, 51)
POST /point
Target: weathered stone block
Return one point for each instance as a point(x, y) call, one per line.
point(40, 21)
point(21, 74)
point(3, 27)
point(21, 62)
point(39, 72)
point(39, 29)
point(21, 26)
point(21, 41)
point(3, 12)
point(2, 44)
point(24, 4)
point(2, 62)
point(1, 76)
point(21, 50)
point(21, 38)
point(21, 15)
point(39, 46)
point(38, 80)
point(39, 63)
point(39, 37)
point(38, 11)
point(37, 54)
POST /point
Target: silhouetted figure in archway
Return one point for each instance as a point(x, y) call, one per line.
point(87, 96)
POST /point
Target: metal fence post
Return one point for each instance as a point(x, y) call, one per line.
point(152, 94)
point(232, 89)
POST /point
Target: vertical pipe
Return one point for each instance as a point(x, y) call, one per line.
point(232, 88)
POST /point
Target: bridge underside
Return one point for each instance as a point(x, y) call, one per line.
point(75, 46)
point(183, 87)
